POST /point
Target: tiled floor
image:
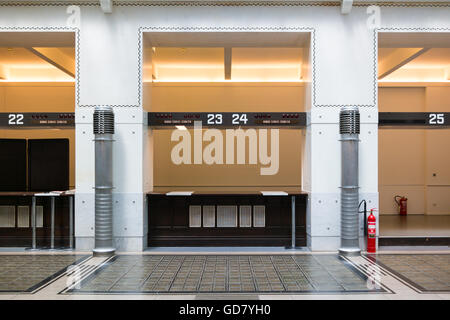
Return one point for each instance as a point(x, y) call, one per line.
point(25, 273)
point(225, 273)
point(425, 272)
point(297, 275)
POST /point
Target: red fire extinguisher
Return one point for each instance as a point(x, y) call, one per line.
point(402, 205)
point(371, 232)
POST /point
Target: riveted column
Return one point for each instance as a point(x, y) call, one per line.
point(349, 129)
point(103, 131)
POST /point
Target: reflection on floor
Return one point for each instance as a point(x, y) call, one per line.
point(196, 273)
point(415, 226)
point(425, 272)
point(25, 273)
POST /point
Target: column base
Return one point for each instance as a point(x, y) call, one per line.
point(322, 243)
point(350, 251)
point(103, 252)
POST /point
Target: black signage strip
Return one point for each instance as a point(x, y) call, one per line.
point(227, 119)
point(414, 119)
point(17, 120)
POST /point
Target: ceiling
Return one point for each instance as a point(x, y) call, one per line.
point(226, 39)
point(245, 56)
point(37, 39)
point(429, 65)
point(37, 64)
point(37, 56)
point(209, 64)
point(414, 39)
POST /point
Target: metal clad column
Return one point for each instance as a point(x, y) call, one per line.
point(103, 130)
point(349, 128)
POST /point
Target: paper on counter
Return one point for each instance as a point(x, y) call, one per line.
point(274, 193)
point(179, 193)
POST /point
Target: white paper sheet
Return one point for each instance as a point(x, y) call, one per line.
point(179, 193)
point(274, 193)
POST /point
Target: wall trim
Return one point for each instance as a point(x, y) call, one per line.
point(226, 3)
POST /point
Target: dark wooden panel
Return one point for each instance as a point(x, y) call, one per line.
point(21, 237)
point(48, 164)
point(414, 241)
point(13, 164)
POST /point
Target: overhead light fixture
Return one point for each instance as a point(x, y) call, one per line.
point(182, 80)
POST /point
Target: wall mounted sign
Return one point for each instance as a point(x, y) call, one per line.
point(414, 119)
point(228, 119)
point(17, 120)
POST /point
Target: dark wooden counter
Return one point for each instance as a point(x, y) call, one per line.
point(21, 236)
point(169, 219)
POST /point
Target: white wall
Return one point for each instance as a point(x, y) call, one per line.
point(343, 68)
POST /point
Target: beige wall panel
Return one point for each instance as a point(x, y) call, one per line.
point(147, 96)
point(438, 157)
point(415, 195)
point(2, 99)
point(438, 200)
point(228, 98)
point(401, 157)
point(48, 134)
point(193, 177)
point(401, 99)
point(438, 99)
point(39, 98)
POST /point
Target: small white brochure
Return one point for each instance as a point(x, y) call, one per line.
point(274, 193)
point(179, 193)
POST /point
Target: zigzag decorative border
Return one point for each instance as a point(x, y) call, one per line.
point(229, 29)
point(238, 29)
point(376, 31)
point(226, 3)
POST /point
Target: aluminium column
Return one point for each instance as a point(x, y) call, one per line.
point(103, 130)
point(349, 128)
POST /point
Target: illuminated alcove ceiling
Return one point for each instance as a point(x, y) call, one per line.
point(37, 56)
point(414, 57)
point(222, 56)
point(209, 64)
